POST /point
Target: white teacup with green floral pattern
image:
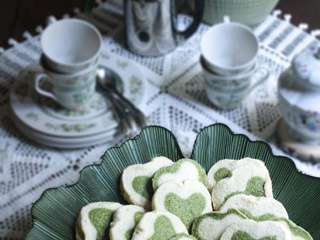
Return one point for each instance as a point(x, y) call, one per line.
point(71, 45)
point(72, 91)
point(229, 48)
point(227, 92)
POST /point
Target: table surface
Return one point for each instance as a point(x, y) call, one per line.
point(17, 16)
point(175, 99)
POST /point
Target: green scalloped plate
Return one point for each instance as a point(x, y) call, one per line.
point(55, 213)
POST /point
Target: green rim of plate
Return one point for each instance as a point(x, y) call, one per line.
point(54, 214)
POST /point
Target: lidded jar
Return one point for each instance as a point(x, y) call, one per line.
point(299, 97)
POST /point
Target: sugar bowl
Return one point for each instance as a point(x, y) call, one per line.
point(299, 97)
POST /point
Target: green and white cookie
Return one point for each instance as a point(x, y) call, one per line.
point(251, 230)
point(158, 225)
point(220, 170)
point(297, 232)
point(224, 168)
point(247, 176)
point(184, 169)
point(187, 200)
point(136, 182)
point(183, 236)
point(257, 207)
point(94, 219)
point(124, 221)
point(212, 225)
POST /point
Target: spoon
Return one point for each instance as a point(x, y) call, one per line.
point(124, 106)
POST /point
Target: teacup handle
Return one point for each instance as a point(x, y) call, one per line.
point(260, 76)
point(40, 77)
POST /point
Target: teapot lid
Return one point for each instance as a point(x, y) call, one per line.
point(306, 67)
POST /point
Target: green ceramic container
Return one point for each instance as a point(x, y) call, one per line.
point(54, 215)
point(249, 12)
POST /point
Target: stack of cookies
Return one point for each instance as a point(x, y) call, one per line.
point(180, 201)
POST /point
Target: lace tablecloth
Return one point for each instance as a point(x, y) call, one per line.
point(173, 97)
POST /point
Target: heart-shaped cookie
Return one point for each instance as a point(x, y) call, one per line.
point(296, 232)
point(223, 169)
point(211, 225)
point(124, 221)
point(94, 219)
point(257, 207)
point(231, 177)
point(136, 182)
point(184, 169)
point(187, 200)
point(158, 225)
point(251, 230)
point(202, 226)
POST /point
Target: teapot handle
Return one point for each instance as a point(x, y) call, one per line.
point(197, 19)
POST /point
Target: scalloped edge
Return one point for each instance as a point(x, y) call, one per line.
point(136, 138)
point(98, 164)
point(266, 145)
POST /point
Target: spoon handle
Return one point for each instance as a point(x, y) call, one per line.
point(129, 107)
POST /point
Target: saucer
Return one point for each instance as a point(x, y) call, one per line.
point(308, 152)
point(64, 143)
point(45, 122)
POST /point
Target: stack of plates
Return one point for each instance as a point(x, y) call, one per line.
point(300, 149)
point(46, 123)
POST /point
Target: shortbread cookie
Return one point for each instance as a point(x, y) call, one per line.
point(124, 221)
point(94, 219)
point(158, 225)
point(297, 232)
point(210, 226)
point(257, 207)
point(220, 170)
point(136, 182)
point(183, 236)
point(255, 231)
point(184, 169)
point(247, 176)
point(223, 169)
point(187, 200)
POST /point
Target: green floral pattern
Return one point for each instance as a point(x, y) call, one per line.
point(70, 127)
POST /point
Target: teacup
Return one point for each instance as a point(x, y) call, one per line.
point(70, 45)
point(229, 48)
point(72, 91)
point(227, 92)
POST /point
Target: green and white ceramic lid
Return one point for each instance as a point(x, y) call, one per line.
point(44, 117)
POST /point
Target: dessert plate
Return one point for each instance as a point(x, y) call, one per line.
point(305, 151)
point(65, 143)
point(55, 214)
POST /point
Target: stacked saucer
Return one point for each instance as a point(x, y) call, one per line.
point(47, 123)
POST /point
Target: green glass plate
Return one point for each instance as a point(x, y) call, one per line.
point(55, 213)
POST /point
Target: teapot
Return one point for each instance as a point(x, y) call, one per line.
point(299, 97)
point(151, 26)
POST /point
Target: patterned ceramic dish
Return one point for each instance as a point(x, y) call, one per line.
point(250, 12)
point(298, 193)
point(299, 109)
